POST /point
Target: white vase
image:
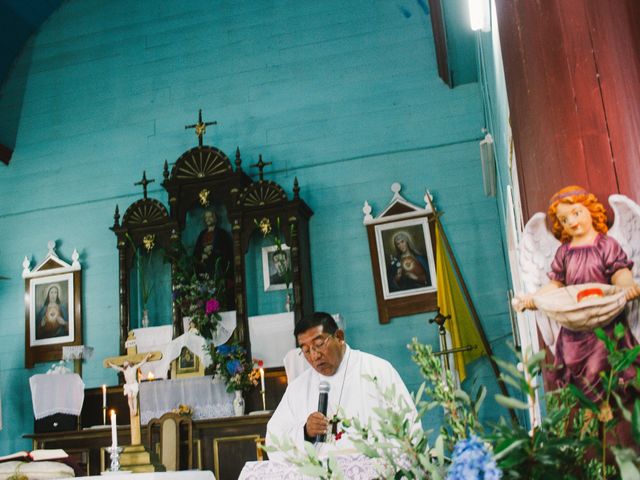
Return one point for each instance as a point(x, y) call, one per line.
point(238, 403)
point(288, 303)
point(145, 318)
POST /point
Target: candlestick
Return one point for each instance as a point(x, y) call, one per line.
point(114, 430)
point(115, 458)
point(264, 402)
point(104, 404)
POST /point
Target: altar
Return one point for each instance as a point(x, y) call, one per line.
point(207, 397)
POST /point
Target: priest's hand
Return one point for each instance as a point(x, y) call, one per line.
point(317, 424)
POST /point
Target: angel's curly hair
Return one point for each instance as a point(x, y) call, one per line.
point(574, 194)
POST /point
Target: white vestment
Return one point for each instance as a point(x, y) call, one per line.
point(354, 395)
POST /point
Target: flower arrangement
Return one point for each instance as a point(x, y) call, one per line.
point(572, 441)
point(232, 364)
point(197, 295)
point(184, 410)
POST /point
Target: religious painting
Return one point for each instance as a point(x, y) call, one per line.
point(50, 318)
point(276, 267)
point(187, 365)
point(405, 256)
point(403, 251)
point(52, 307)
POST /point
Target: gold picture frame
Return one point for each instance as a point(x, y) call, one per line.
point(187, 365)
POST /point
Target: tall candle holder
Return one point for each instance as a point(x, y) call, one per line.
point(264, 401)
point(115, 452)
point(104, 415)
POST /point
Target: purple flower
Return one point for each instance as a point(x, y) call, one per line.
point(212, 306)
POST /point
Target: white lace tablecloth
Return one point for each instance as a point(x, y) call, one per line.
point(56, 393)
point(354, 467)
point(186, 475)
point(207, 397)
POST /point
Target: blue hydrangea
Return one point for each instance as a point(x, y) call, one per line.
point(234, 366)
point(472, 460)
point(224, 349)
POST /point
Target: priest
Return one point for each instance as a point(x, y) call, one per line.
point(341, 370)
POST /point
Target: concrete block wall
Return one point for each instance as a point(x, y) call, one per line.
point(343, 95)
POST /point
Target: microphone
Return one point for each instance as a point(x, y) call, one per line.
point(323, 401)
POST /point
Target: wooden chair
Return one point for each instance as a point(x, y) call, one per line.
point(173, 429)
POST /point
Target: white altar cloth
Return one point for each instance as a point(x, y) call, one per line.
point(56, 393)
point(354, 467)
point(271, 337)
point(182, 475)
point(208, 398)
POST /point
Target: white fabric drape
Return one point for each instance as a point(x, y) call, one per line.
point(56, 393)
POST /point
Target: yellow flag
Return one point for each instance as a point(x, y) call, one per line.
point(452, 302)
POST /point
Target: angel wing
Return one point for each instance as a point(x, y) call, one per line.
point(626, 230)
point(536, 250)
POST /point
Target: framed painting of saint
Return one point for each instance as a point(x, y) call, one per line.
point(52, 307)
point(402, 246)
point(405, 256)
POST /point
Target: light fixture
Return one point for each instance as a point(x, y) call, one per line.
point(479, 15)
point(488, 166)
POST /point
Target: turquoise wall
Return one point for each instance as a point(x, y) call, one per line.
point(343, 95)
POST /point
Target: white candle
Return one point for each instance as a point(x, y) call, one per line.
point(114, 431)
point(104, 396)
point(262, 379)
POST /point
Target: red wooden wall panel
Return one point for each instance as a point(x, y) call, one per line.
point(570, 120)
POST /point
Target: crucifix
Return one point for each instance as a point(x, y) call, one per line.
point(129, 364)
point(200, 127)
point(144, 182)
point(261, 166)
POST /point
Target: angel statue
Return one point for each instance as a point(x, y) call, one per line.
point(579, 277)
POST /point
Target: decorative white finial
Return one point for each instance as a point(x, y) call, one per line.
point(428, 200)
point(367, 211)
point(52, 246)
point(395, 188)
point(25, 267)
point(75, 256)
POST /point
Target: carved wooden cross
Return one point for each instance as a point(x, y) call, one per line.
point(261, 166)
point(200, 127)
point(133, 358)
point(144, 182)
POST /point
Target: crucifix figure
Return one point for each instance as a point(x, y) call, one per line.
point(200, 127)
point(144, 182)
point(261, 166)
point(128, 364)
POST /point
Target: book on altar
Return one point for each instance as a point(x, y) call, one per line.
point(36, 455)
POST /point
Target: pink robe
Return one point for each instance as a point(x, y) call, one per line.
point(580, 356)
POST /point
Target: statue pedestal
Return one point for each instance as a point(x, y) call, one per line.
point(136, 459)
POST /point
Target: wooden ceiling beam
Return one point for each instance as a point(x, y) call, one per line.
point(5, 154)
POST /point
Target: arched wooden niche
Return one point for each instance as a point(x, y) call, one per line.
point(204, 177)
point(146, 227)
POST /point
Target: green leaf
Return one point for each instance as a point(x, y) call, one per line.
point(635, 421)
point(628, 357)
point(480, 396)
point(582, 398)
point(604, 338)
point(310, 449)
point(313, 471)
point(625, 460)
point(618, 331)
point(510, 402)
